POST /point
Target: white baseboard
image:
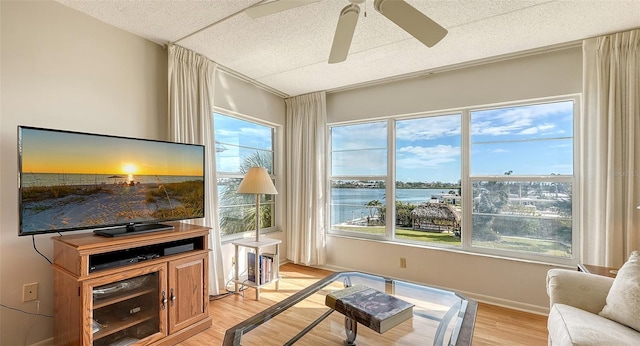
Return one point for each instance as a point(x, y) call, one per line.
point(505, 303)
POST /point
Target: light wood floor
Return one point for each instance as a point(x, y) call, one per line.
point(494, 325)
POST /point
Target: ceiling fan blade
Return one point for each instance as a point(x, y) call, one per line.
point(272, 7)
point(344, 33)
point(411, 20)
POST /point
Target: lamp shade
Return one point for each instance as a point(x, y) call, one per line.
point(257, 181)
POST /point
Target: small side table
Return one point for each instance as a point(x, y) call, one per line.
point(257, 248)
point(604, 271)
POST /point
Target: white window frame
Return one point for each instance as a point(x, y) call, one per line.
point(385, 178)
point(467, 181)
point(276, 150)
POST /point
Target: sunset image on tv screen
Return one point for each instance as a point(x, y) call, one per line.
point(73, 180)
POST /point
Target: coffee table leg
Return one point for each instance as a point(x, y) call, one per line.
point(351, 329)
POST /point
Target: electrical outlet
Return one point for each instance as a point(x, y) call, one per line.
point(30, 292)
point(403, 262)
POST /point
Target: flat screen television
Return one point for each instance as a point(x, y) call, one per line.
point(114, 185)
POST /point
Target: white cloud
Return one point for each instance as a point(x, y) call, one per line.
point(526, 120)
point(545, 127)
point(428, 128)
point(360, 136)
point(422, 157)
point(361, 162)
point(529, 131)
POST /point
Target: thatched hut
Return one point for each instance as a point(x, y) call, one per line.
point(435, 217)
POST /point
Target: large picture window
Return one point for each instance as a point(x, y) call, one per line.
point(241, 144)
point(522, 178)
point(358, 178)
point(497, 180)
point(428, 206)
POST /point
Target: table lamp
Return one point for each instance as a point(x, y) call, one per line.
point(257, 181)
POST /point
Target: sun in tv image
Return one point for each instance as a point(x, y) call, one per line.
point(72, 180)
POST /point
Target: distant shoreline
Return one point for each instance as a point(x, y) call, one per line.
point(74, 179)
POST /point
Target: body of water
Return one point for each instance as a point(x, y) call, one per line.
point(61, 179)
point(349, 204)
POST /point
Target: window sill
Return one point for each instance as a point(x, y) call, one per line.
point(566, 264)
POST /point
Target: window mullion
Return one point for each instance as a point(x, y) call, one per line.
point(467, 192)
point(391, 180)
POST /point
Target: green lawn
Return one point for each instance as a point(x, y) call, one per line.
point(406, 233)
point(538, 246)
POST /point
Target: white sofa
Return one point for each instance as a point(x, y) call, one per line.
point(576, 298)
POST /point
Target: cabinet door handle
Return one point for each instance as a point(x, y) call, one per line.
point(164, 300)
point(173, 297)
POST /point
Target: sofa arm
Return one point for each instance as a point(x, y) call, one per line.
point(581, 290)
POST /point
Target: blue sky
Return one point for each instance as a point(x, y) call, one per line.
point(52, 151)
point(528, 140)
point(236, 139)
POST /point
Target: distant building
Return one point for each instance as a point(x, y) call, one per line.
point(447, 198)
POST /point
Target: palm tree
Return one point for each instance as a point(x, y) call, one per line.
point(237, 212)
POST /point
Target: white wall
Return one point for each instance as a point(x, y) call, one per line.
point(62, 69)
point(517, 284)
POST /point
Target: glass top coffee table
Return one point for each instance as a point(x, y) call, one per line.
point(440, 317)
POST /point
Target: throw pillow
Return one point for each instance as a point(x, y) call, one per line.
point(623, 300)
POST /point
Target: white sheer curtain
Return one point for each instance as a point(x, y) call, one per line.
point(611, 148)
point(191, 86)
point(306, 123)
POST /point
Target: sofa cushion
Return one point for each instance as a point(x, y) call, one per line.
point(571, 326)
point(623, 300)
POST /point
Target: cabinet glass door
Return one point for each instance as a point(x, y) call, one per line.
point(127, 311)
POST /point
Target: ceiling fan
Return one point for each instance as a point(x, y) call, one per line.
point(399, 12)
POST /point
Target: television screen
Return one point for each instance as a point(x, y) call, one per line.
point(114, 185)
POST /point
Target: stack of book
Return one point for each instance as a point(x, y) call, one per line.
point(264, 272)
point(369, 307)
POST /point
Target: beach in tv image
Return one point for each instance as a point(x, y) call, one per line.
point(73, 181)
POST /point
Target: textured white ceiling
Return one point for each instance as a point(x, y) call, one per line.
point(288, 51)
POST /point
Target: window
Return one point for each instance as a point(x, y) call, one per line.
point(428, 201)
point(241, 144)
point(358, 178)
point(522, 178)
point(493, 180)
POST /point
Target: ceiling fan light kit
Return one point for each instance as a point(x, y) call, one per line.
point(414, 22)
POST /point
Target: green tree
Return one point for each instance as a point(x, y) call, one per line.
point(490, 199)
point(483, 228)
point(372, 206)
point(238, 211)
point(403, 213)
point(516, 226)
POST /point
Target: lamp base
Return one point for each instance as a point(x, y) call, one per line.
point(257, 218)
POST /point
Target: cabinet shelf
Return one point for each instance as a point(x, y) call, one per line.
point(102, 302)
point(117, 326)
